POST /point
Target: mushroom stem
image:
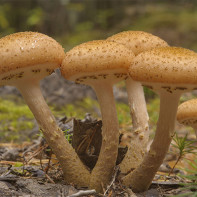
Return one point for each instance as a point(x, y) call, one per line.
point(140, 179)
point(194, 126)
point(140, 134)
point(195, 129)
point(103, 170)
point(73, 169)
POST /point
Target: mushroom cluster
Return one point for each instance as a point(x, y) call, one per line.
point(169, 71)
point(101, 64)
point(137, 42)
point(138, 58)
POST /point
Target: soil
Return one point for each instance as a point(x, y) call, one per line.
point(31, 169)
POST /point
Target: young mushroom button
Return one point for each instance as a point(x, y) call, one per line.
point(137, 42)
point(100, 64)
point(26, 58)
point(187, 114)
point(169, 71)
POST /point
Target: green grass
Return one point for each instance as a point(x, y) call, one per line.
point(190, 187)
point(14, 118)
point(78, 110)
point(88, 105)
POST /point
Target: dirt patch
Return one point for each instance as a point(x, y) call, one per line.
point(31, 169)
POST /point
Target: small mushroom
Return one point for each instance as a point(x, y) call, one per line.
point(169, 71)
point(100, 64)
point(187, 114)
point(26, 58)
point(137, 42)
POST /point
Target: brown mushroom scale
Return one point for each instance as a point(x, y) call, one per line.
point(169, 71)
point(26, 58)
point(100, 64)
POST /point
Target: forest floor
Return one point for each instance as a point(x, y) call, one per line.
point(29, 168)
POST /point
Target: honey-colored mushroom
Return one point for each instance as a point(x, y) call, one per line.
point(187, 114)
point(26, 58)
point(169, 71)
point(100, 64)
point(137, 42)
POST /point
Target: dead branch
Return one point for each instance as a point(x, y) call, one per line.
point(82, 192)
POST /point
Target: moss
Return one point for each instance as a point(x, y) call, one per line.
point(88, 105)
point(14, 118)
point(78, 109)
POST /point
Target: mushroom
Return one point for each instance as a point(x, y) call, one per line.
point(100, 64)
point(187, 114)
point(26, 58)
point(169, 71)
point(137, 42)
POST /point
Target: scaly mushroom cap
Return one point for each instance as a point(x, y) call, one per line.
point(167, 65)
point(26, 53)
point(187, 112)
point(138, 41)
point(96, 59)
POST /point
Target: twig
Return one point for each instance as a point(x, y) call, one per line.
point(48, 177)
point(37, 142)
point(82, 192)
point(103, 188)
point(41, 161)
point(91, 137)
point(40, 149)
point(7, 173)
point(82, 142)
point(9, 179)
point(109, 195)
point(113, 180)
point(48, 165)
point(179, 158)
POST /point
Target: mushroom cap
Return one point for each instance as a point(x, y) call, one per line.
point(22, 50)
point(138, 41)
point(169, 65)
point(96, 58)
point(187, 112)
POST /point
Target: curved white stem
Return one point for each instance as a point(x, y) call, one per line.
point(103, 170)
point(194, 126)
point(140, 133)
point(73, 169)
point(141, 178)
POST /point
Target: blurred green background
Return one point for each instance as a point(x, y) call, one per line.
point(72, 22)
